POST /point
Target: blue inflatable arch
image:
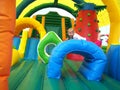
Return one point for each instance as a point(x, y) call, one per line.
point(93, 65)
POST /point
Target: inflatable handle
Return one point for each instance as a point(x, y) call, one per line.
point(50, 38)
point(29, 22)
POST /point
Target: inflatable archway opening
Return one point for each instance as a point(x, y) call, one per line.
point(50, 38)
point(47, 50)
point(93, 65)
point(27, 22)
point(75, 57)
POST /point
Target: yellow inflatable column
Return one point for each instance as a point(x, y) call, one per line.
point(30, 32)
point(23, 43)
point(114, 14)
point(63, 29)
point(43, 21)
point(72, 22)
point(31, 29)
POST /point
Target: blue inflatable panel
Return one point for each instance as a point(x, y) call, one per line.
point(93, 65)
point(16, 42)
point(113, 65)
point(31, 49)
point(89, 6)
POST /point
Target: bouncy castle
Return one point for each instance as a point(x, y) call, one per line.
point(36, 55)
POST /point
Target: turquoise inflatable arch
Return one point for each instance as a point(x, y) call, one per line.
point(93, 65)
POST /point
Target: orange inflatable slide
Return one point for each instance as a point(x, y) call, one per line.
point(7, 24)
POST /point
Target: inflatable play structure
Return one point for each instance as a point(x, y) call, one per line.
point(34, 49)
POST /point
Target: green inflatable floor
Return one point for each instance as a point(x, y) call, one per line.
point(31, 75)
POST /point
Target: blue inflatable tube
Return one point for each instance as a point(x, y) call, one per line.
point(113, 65)
point(93, 65)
